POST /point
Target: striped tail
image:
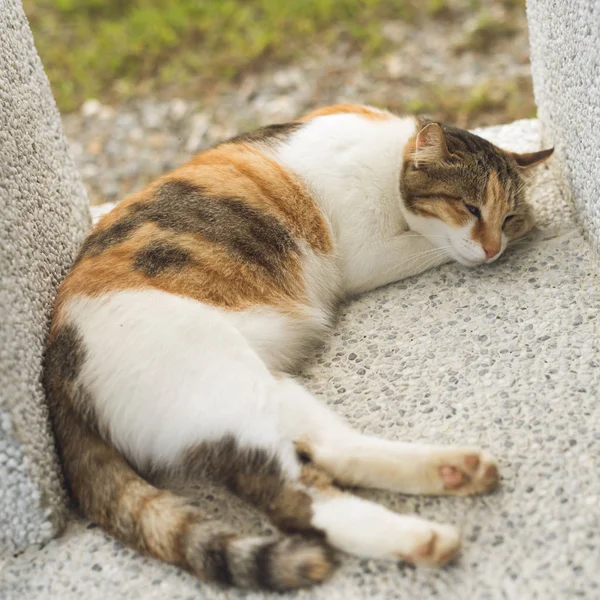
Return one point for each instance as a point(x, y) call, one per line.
point(164, 525)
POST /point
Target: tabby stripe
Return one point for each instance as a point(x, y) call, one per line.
point(263, 562)
point(436, 196)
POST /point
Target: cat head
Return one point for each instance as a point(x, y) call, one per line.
point(465, 194)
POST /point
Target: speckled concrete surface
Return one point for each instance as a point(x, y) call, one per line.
point(506, 357)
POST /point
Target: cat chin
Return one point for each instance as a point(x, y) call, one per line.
point(453, 253)
point(467, 262)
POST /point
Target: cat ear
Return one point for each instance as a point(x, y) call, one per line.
point(531, 159)
point(430, 145)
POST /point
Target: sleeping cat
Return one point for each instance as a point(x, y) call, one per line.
point(190, 304)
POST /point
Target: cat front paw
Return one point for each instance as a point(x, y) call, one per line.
point(466, 472)
point(438, 544)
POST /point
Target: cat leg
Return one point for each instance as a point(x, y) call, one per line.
point(312, 505)
point(355, 459)
point(390, 260)
point(265, 471)
point(364, 528)
point(302, 499)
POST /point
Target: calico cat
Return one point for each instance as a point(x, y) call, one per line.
point(190, 305)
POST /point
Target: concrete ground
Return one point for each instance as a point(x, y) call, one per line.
point(506, 357)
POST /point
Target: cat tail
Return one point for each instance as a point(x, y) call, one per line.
point(164, 525)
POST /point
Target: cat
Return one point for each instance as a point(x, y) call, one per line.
point(175, 334)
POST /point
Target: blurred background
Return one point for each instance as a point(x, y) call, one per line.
point(142, 84)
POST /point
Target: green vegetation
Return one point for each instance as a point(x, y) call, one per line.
point(116, 49)
point(100, 48)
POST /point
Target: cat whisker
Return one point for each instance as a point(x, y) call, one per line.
point(434, 251)
point(521, 243)
point(432, 256)
point(432, 260)
point(414, 235)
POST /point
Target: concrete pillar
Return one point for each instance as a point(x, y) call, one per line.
point(43, 218)
point(565, 58)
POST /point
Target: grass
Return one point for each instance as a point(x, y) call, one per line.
point(109, 48)
point(116, 49)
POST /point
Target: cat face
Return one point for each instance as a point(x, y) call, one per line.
point(465, 194)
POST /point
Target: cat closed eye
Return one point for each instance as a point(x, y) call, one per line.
point(473, 210)
point(508, 219)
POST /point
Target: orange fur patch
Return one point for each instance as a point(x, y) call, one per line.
point(212, 277)
point(488, 232)
point(209, 271)
point(354, 109)
point(242, 171)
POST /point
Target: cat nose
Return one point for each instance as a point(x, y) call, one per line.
point(491, 250)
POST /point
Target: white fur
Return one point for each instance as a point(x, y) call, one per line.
point(167, 373)
point(351, 165)
point(364, 528)
point(283, 340)
point(456, 241)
